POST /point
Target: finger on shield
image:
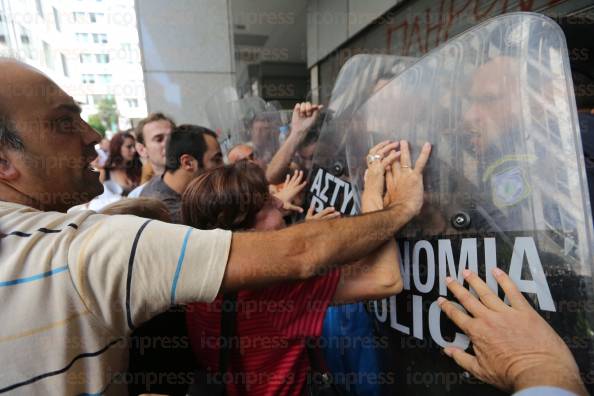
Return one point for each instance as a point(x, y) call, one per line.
point(465, 360)
point(461, 319)
point(486, 295)
point(515, 297)
point(332, 215)
point(423, 157)
point(387, 148)
point(390, 158)
point(404, 153)
point(378, 146)
point(472, 305)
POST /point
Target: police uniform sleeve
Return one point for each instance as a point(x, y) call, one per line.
point(128, 269)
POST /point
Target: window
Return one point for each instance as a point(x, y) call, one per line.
point(64, 65)
point(104, 78)
point(102, 58)
point(3, 30)
point(39, 7)
point(86, 58)
point(96, 17)
point(100, 38)
point(132, 102)
point(82, 37)
point(88, 79)
point(26, 42)
point(57, 19)
point(79, 17)
point(47, 53)
point(131, 52)
point(95, 99)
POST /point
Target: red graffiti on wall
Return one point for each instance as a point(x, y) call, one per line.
point(427, 29)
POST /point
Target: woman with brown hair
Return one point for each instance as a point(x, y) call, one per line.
point(121, 173)
point(273, 325)
point(123, 165)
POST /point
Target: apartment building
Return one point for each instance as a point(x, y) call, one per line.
point(89, 47)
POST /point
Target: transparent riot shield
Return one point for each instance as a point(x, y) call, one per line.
point(255, 123)
point(505, 187)
point(217, 112)
point(360, 76)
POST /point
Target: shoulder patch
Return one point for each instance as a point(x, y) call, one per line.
point(509, 187)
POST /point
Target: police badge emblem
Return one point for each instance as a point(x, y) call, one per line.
point(509, 187)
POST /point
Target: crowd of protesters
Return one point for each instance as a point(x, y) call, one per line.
point(198, 249)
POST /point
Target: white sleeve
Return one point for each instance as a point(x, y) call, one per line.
point(128, 269)
point(544, 391)
point(136, 192)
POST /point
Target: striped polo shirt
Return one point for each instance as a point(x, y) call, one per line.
point(73, 287)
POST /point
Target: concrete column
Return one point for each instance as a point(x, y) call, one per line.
point(187, 54)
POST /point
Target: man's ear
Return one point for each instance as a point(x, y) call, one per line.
point(141, 150)
point(188, 163)
point(8, 172)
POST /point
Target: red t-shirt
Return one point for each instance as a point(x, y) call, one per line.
point(272, 325)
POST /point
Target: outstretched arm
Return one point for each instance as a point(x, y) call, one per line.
point(377, 275)
point(305, 250)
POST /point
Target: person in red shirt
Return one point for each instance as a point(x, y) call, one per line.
point(274, 324)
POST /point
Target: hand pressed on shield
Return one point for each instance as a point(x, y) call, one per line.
point(326, 214)
point(294, 184)
point(405, 184)
point(379, 162)
point(378, 275)
point(515, 348)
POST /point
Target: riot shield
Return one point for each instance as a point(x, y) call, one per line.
point(255, 123)
point(360, 76)
point(505, 187)
point(217, 112)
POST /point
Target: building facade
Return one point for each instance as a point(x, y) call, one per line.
point(89, 47)
point(339, 29)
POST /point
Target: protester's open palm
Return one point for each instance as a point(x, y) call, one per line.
point(405, 184)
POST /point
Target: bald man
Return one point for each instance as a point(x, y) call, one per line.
point(240, 152)
point(74, 286)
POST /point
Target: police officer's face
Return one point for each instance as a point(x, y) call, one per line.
point(493, 103)
point(261, 133)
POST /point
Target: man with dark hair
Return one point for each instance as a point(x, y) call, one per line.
point(151, 137)
point(190, 150)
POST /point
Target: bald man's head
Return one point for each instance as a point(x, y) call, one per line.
point(45, 147)
point(9, 137)
point(240, 152)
